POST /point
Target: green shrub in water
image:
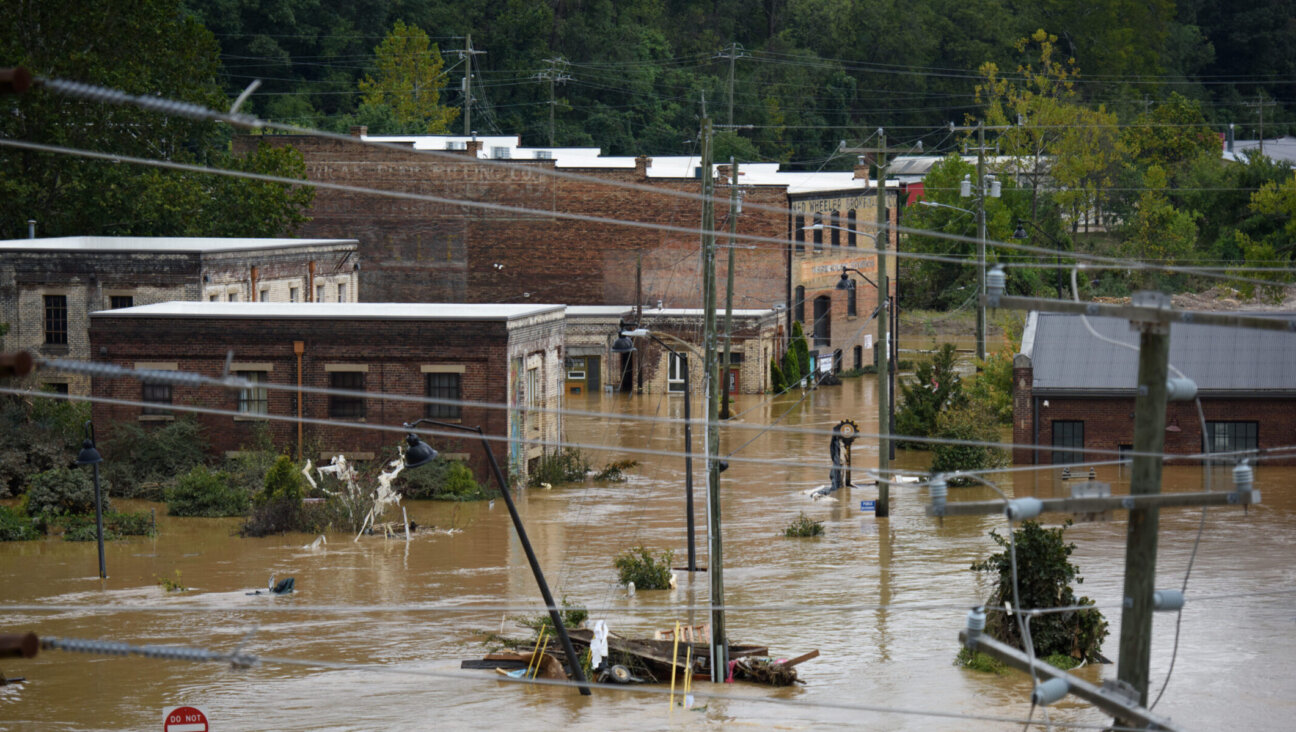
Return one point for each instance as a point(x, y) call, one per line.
point(62, 492)
point(564, 466)
point(201, 492)
point(647, 572)
point(143, 463)
point(803, 525)
point(442, 479)
point(15, 525)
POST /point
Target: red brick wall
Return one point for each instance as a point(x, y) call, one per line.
point(394, 350)
point(1110, 423)
point(415, 251)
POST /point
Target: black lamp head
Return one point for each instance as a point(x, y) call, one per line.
point(845, 283)
point(419, 452)
point(623, 344)
point(89, 455)
point(1020, 233)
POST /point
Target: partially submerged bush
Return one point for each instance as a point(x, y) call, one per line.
point(1044, 575)
point(564, 466)
point(143, 463)
point(278, 507)
point(803, 525)
point(978, 661)
point(116, 526)
point(972, 424)
point(15, 525)
point(201, 492)
point(37, 433)
point(647, 572)
point(614, 472)
point(573, 615)
point(442, 479)
point(62, 492)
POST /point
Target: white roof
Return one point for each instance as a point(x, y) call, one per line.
point(598, 311)
point(699, 312)
point(332, 310)
point(159, 244)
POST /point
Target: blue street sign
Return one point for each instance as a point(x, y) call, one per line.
point(868, 505)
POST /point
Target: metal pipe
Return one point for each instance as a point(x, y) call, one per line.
point(103, 569)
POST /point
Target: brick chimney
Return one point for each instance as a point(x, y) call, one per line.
point(642, 164)
point(359, 130)
point(862, 169)
point(472, 147)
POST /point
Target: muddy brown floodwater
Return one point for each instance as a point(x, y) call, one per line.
point(882, 599)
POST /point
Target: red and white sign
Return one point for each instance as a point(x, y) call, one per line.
point(185, 719)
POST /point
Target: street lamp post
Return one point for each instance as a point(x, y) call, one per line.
point(1020, 233)
point(90, 456)
point(420, 453)
point(986, 184)
point(624, 344)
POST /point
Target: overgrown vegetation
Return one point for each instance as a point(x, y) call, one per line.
point(116, 525)
point(442, 479)
point(62, 492)
point(615, 472)
point(973, 423)
point(646, 570)
point(573, 615)
point(1044, 574)
point(143, 462)
point(37, 434)
point(803, 525)
point(978, 661)
point(16, 525)
point(936, 387)
point(566, 465)
point(202, 492)
point(172, 584)
point(278, 507)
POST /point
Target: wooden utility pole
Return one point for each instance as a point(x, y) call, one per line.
point(1260, 103)
point(733, 53)
point(715, 561)
point(880, 240)
point(554, 74)
point(980, 189)
point(1141, 534)
point(735, 207)
point(467, 55)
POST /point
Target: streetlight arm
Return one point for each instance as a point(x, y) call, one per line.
point(861, 274)
point(936, 204)
point(645, 333)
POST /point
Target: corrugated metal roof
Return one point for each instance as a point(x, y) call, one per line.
point(1067, 357)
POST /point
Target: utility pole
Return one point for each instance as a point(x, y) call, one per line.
point(556, 73)
point(735, 208)
point(881, 239)
point(980, 189)
point(733, 53)
point(715, 562)
point(1260, 103)
point(467, 55)
point(1141, 534)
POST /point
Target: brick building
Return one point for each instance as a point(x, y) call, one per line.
point(420, 251)
point(1072, 391)
point(49, 287)
point(486, 354)
point(844, 208)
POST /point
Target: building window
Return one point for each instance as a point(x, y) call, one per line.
point(292, 294)
point(213, 298)
point(836, 231)
point(533, 396)
point(544, 155)
point(1232, 436)
point(675, 373)
point(798, 307)
point(347, 407)
point(265, 295)
point(818, 233)
point(500, 153)
point(56, 324)
point(1068, 434)
point(60, 388)
point(319, 293)
point(798, 233)
point(443, 386)
point(850, 226)
point(852, 302)
point(233, 297)
point(117, 302)
point(253, 399)
point(341, 292)
point(156, 394)
point(822, 321)
point(859, 357)
point(837, 361)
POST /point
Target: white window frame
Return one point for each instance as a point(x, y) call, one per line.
point(674, 373)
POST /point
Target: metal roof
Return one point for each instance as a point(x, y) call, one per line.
point(1068, 358)
point(176, 244)
point(331, 310)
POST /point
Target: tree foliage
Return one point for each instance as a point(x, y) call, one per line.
point(410, 79)
point(149, 47)
point(935, 388)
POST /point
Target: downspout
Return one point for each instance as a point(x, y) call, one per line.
point(1035, 428)
point(256, 275)
point(310, 282)
point(299, 347)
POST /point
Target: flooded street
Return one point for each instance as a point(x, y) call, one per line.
point(882, 599)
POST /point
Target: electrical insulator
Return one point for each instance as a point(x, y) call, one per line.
point(976, 620)
point(1180, 389)
point(938, 490)
point(1050, 691)
point(1020, 509)
point(1243, 476)
point(1167, 600)
point(995, 188)
point(995, 282)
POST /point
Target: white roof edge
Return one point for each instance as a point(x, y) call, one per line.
point(1028, 334)
point(333, 311)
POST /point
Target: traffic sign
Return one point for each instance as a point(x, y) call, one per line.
point(184, 719)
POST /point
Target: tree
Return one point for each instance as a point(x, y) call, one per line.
point(936, 387)
point(145, 47)
point(410, 81)
point(1159, 232)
